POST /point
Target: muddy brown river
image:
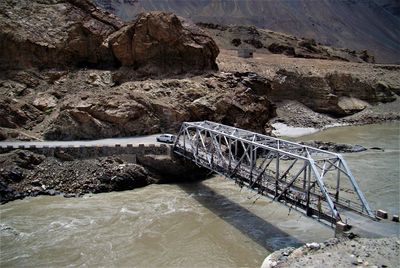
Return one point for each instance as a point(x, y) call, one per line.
point(212, 223)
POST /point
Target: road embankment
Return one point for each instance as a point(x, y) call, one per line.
point(75, 171)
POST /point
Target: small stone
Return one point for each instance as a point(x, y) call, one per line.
point(297, 253)
point(51, 192)
point(35, 183)
point(354, 263)
point(313, 245)
point(359, 261)
point(366, 263)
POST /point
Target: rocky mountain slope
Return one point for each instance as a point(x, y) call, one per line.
point(370, 24)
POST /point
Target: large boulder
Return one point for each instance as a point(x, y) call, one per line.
point(160, 42)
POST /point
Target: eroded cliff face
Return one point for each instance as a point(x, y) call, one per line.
point(75, 33)
point(337, 94)
point(160, 42)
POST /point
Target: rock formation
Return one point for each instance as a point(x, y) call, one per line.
point(146, 107)
point(335, 94)
point(163, 43)
point(75, 33)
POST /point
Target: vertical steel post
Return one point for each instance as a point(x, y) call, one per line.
point(338, 182)
point(251, 163)
point(277, 174)
point(305, 177)
point(230, 155)
point(308, 210)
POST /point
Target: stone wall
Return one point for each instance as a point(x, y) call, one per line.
point(92, 151)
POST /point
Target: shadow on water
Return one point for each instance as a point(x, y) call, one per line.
point(259, 230)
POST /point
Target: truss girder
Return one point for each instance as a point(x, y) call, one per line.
point(284, 170)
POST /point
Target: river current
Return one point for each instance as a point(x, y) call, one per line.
point(212, 223)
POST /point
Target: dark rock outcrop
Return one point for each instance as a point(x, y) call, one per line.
point(161, 42)
point(124, 177)
point(15, 114)
point(278, 48)
point(335, 147)
point(24, 173)
point(172, 169)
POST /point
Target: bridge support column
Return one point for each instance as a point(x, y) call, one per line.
point(341, 228)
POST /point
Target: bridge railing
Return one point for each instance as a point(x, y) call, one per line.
point(318, 181)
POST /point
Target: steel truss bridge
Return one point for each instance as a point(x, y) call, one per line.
point(315, 181)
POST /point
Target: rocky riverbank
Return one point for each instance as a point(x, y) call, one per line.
point(363, 252)
point(24, 173)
